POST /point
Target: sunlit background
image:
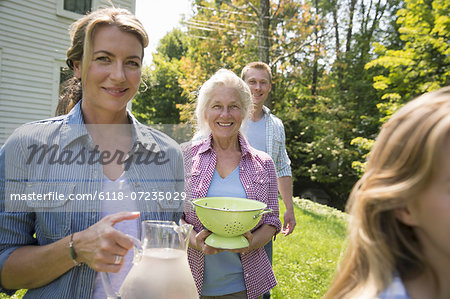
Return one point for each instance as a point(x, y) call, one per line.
point(160, 17)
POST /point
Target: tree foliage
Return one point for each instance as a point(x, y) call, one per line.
point(334, 100)
point(160, 95)
point(416, 63)
point(339, 68)
point(422, 63)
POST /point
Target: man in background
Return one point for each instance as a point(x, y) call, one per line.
point(266, 133)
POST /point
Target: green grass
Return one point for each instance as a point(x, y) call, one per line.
point(304, 262)
point(19, 294)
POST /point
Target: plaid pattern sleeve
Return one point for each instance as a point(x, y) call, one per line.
point(276, 144)
point(258, 176)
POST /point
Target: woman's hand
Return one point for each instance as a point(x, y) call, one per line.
point(101, 246)
point(260, 237)
point(32, 266)
point(249, 237)
point(202, 246)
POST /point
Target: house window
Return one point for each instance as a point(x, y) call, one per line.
point(78, 6)
point(74, 9)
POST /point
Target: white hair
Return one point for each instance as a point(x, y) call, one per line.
point(222, 78)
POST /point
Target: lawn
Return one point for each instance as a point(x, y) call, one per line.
point(305, 261)
point(19, 294)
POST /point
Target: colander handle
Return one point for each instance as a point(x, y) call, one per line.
point(265, 211)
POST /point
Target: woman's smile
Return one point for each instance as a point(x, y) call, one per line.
point(222, 124)
point(117, 92)
point(224, 114)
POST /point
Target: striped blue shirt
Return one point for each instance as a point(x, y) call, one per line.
point(56, 193)
point(276, 144)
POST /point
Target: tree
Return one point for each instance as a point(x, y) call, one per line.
point(422, 64)
point(417, 63)
point(317, 50)
point(322, 91)
point(160, 94)
point(338, 102)
point(229, 34)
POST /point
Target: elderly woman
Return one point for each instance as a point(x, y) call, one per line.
point(221, 163)
point(399, 235)
point(62, 180)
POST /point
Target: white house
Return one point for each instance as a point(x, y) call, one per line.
point(33, 42)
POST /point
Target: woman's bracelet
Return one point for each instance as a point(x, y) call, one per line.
point(73, 254)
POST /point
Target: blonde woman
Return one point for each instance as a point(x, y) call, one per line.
point(399, 230)
point(95, 169)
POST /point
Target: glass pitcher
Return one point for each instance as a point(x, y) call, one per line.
point(160, 266)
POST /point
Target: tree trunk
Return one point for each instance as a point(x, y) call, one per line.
point(316, 53)
point(339, 61)
point(350, 25)
point(336, 31)
point(263, 31)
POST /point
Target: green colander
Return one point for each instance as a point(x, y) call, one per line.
point(228, 218)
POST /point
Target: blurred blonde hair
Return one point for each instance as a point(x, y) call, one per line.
point(222, 78)
point(401, 164)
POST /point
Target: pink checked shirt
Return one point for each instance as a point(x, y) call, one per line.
point(258, 176)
